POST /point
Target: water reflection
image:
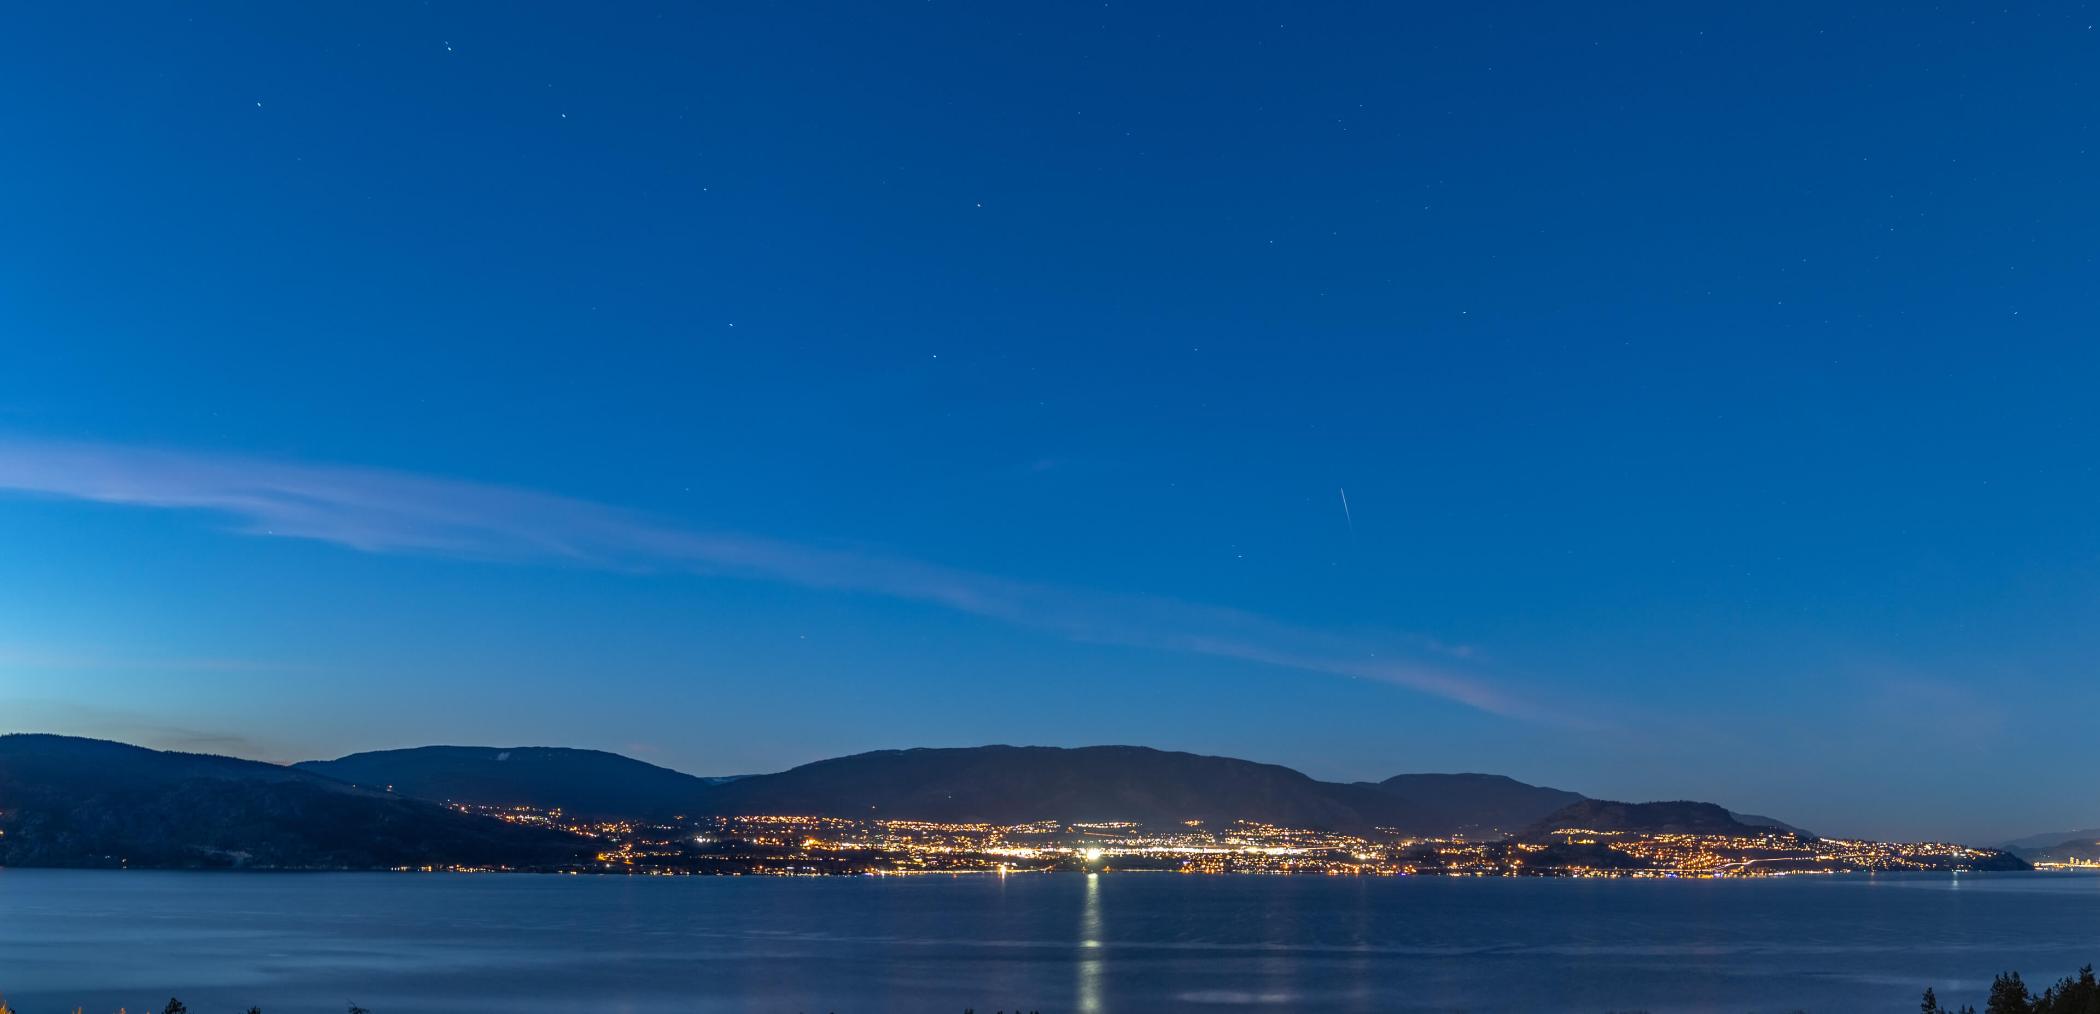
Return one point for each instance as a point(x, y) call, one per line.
point(1090, 947)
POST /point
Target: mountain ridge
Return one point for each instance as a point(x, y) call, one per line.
point(1677, 816)
point(2087, 837)
point(1097, 783)
point(594, 783)
point(1470, 802)
point(995, 783)
point(71, 801)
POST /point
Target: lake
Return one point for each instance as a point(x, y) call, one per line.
point(437, 944)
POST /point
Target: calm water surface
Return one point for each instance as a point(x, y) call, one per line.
point(425, 944)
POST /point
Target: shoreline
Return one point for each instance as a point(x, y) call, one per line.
point(1648, 875)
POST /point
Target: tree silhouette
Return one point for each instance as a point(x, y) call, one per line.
point(2071, 996)
point(2009, 995)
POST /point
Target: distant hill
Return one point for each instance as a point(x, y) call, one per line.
point(998, 784)
point(1678, 817)
point(585, 782)
point(2088, 838)
point(2084, 850)
point(1011, 784)
point(2058, 846)
point(1476, 804)
point(66, 801)
point(1758, 820)
point(994, 783)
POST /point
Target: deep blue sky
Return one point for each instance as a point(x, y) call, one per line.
point(1713, 390)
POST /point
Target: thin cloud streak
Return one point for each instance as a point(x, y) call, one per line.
point(30, 714)
point(27, 656)
point(381, 511)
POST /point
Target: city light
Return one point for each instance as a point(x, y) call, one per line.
point(789, 845)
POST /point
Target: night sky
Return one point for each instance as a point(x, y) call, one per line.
point(1654, 401)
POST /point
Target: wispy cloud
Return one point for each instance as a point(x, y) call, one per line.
point(384, 511)
point(14, 655)
point(26, 714)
